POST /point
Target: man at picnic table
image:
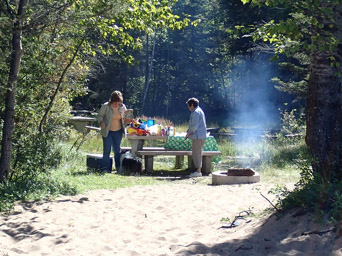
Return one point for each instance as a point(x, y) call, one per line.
point(197, 132)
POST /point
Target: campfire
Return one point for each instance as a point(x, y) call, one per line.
point(235, 176)
point(240, 172)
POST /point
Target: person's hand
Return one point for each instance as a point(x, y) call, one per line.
point(128, 120)
point(103, 125)
point(187, 135)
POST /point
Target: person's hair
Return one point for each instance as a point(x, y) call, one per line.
point(116, 96)
point(192, 102)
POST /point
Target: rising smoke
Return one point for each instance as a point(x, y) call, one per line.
point(257, 101)
point(257, 106)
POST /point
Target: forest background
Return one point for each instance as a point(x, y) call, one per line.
point(231, 75)
point(64, 55)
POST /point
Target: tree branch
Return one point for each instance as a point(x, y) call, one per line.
point(270, 203)
point(42, 122)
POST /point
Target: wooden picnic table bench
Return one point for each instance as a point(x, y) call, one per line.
point(125, 149)
point(207, 157)
point(94, 158)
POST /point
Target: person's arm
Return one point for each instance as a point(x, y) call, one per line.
point(101, 115)
point(194, 123)
point(123, 112)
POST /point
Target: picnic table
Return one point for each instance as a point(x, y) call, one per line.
point(81, 123)
point(174, 146)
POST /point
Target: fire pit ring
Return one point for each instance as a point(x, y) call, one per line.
point(235, 176)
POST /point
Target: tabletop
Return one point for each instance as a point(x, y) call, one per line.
point(137, 137)
point(180, 143)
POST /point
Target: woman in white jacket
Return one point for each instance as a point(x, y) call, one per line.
point(112, 119)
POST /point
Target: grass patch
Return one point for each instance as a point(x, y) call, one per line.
point(83, 180)
point(74, 171)
point(279, 176)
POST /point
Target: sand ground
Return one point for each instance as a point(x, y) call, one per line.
point(169, 219)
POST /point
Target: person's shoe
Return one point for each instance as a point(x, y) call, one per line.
point(195, 174)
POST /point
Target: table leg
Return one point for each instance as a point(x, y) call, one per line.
point(136, 146)
point(179, 162)
point(191, 165)
point(206, 165)
point(148, 164)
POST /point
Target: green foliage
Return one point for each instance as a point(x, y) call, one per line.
point(36, 151)
point(289, 145)
point(278, 150)
point(33, 155)
point(292, 34)
point(311, 193)
point(292, 123)
point(322, 199)
point(296, 84)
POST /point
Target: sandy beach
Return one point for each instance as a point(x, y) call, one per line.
point(170, 219)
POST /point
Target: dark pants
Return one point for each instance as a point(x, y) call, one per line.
point(112, 141)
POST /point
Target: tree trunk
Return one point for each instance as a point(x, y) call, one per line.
point(7, 132)
point(148, 73)
point(324, 110)
point(168, 78)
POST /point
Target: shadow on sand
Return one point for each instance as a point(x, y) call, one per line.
point(294, 233)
